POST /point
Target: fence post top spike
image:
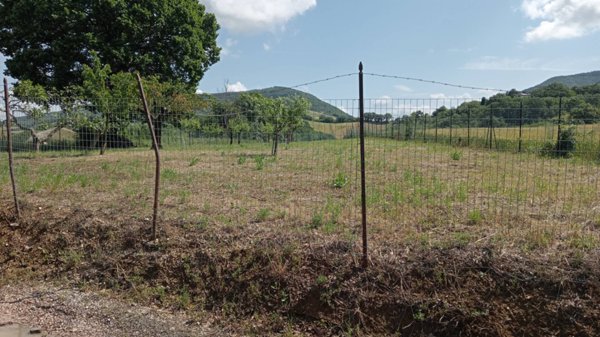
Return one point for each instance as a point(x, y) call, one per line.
point(360, 66)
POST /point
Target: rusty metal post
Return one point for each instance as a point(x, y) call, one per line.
point(9, 147)
point(558, 142)
point(363, 190)
point(468, 126)
point(156, 154)
point(521, 126)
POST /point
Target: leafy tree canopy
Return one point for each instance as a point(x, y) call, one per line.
point(48, 42)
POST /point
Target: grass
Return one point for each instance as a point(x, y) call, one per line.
point(414, 190)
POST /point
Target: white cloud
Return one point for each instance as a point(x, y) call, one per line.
point(508, 64)
point(256, 15)
point(227, 47)
point(383, 101)
point(236, 87)
point(266, 46)
point(438, 96)
point(561, 19)
point(199, 91)
point(402, 88)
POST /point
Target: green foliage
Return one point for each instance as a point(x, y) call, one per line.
point(456, 155)
point(328, 111)
point(317, 220)
point(564, 147)
point(174, 40)
point(340, 180)
point(260, 162)
point(263, 214)
point(475, 217)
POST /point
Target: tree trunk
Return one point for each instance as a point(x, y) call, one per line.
point(36, 143)
point(239, 138)
point(230, 137)
point(275, 143)
point(94, 142)
point(104, 142)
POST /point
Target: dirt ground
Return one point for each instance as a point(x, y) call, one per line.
point(69, 312)
point(273, 279)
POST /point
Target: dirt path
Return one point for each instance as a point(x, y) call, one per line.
point(69, 313)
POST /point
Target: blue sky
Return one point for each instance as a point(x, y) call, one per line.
point(482, 43)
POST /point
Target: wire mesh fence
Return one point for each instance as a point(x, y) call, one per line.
point(434, 167)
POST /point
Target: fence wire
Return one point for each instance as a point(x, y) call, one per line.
point(436, 168)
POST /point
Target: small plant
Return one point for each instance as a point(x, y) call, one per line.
point(168, 174)
point(263, 214)
point(419, 316)
point(241, 160)
point(475, 217)
point(194, 161)
point(260, 162)
point(317, 220)
point(340, 180)
point(456, 155)
point(321, 279)
point(564, 146)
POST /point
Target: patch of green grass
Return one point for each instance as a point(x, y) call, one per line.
point(475, 216)
point(340, 180)
point(317, 220)
point(260, 162)
point(456, 155)
point(194, 161)
point(263, 214)
point(168, 174)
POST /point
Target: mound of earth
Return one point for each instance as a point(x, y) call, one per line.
point(268, 279)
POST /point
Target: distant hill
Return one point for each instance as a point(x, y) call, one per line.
point(318, 107)
point(577, 80)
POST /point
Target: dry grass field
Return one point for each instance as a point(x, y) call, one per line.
point(431, 192)
point(462, 241)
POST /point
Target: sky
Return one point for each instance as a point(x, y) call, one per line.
point(479, 43)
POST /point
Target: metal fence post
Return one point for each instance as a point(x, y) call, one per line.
point(521, 126)
point(558, 144)
point(363, 192)
point(468, 126)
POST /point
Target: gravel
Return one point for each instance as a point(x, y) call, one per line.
point(70, 312)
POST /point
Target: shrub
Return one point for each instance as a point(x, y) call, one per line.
point(340, 180)
point(564, 147)
point(456, 155)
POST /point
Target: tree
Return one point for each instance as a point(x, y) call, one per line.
point(282, 117)
point(41, 121)
point(112, 98)
point(170, 103)
point(48, 42)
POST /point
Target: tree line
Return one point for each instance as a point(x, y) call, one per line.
point(577, 105)
point(106, 103)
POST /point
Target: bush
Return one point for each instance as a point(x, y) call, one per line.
point(563, 148)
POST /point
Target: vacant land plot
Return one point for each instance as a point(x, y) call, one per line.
point(432, 193)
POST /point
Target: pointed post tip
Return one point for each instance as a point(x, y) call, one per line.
point(360, 66)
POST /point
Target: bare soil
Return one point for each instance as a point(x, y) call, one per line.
point(45, 310)
point(271, 278)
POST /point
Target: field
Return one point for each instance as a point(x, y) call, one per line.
point(244, 234)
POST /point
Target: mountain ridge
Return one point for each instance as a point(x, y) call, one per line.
point(575, 80)
point(318, 106)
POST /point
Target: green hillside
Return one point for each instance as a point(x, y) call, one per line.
point(576, 80)
point(317, 106)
